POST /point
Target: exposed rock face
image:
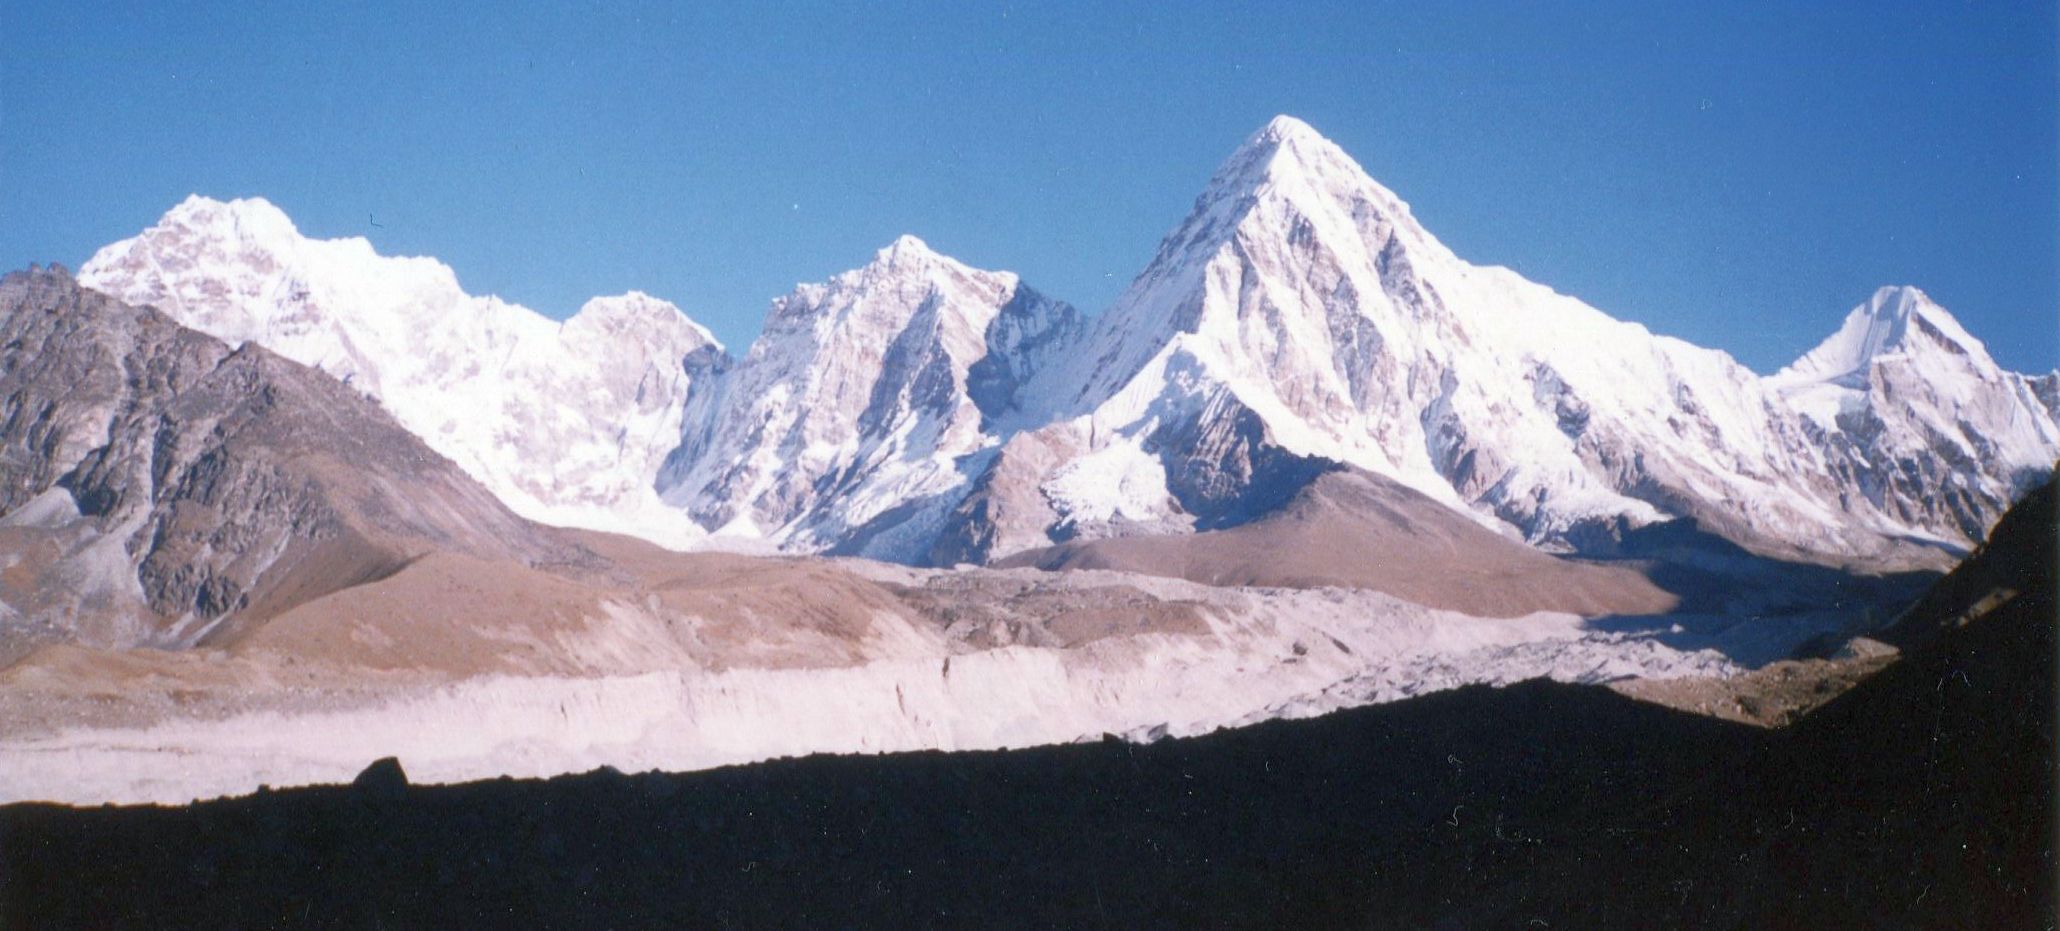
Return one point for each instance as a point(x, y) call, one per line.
point(1919, 423)
point(1005, 511)
point(154, 480)
point(566, 422)
point(845, 426)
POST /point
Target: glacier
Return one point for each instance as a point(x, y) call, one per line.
point(1259, 654)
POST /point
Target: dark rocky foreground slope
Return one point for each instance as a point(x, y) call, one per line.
point(1922, 798)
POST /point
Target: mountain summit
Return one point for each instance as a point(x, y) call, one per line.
point(566, 422)
point(844, 425)
point(1912, 410)
point(1897, 319)
point(1300, 314)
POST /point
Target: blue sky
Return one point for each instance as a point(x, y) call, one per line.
point(1739, 177)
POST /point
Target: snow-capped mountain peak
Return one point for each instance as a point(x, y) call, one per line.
point(567, 423)
point(909, 258)
point(1298, 317)
point(1288, 159)
point(249, 219)
point(1285, 160)
point(890, 288)
point(1897, 319)
point(850, 412)
point(906, 247)
point(1300, 308)
point(1287, 199)
point(1284, 150)
point(1284, 126)
point(635, 312)
point(1914, 411)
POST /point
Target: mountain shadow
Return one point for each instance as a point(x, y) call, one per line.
point(1753, 608)
point(1923, 797)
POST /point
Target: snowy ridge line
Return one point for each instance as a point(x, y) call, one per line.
point(918, 410)
point(567, 422)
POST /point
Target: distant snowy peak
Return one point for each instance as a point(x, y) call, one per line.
point(250, 220)
point(904, 281)
point(253, 221)
point(860, 396)
point(1275, 264)
point(240, 271)
point(1898, 319)
point(1899, 335)
point(638, 315)
point(1290, 159)
point(566, 422)
point(1920, 420)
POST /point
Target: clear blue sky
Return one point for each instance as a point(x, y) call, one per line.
point(1736, 177)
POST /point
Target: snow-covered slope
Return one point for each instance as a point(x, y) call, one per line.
point(1301, 313)
point(1918, 420)
point(566, 422)
point(848, 424)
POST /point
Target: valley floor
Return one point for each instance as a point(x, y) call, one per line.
point(1920, 797)
point(198, 724)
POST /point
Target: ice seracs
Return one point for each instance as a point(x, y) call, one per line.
point(567, 422)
